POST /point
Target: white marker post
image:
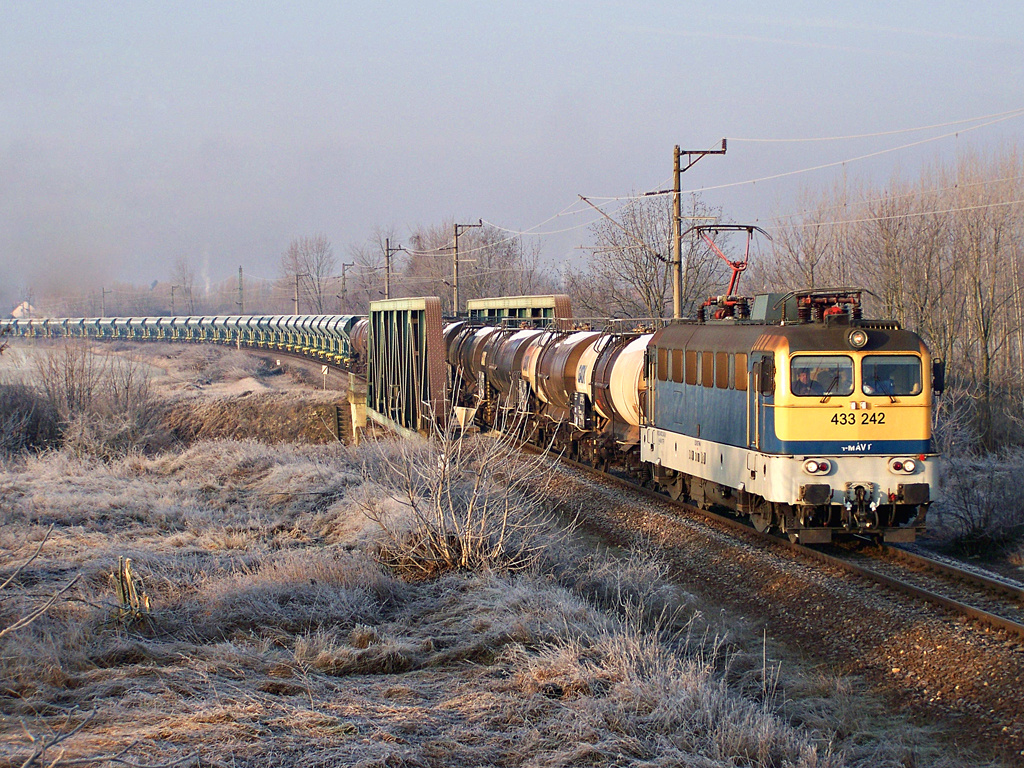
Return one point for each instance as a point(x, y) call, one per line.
point(323, 370)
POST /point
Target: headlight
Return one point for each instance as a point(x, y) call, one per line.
point(857, 338)
point(817, 466)
point(902, 466)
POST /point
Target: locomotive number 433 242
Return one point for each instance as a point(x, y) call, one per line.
point(844, 418)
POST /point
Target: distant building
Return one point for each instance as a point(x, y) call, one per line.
point(23, 310)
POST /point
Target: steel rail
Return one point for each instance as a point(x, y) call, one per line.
point(977, 614)
point(967, 577)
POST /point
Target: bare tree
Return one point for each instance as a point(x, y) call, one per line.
point(807, 248)
point(630, 271)
point(491, 263)
point(310, 261)
point(183, 277)
point(368, 273)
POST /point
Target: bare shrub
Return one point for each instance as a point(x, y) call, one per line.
point(104, 402)
point(982, 508)
point(470, 503)
point(27, 420)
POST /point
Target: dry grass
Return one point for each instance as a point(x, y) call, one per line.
point(274, 638)
point(1017, 557)
point(273, 635)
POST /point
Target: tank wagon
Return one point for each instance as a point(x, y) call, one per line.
point(789, 409)
point(338, 339)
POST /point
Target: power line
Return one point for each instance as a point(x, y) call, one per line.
point(822, 166)
point(1006, 115)
point(903, 196)
point(914, 214)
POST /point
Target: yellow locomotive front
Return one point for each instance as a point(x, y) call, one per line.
point(850, 410)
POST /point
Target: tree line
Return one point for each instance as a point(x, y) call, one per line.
point(940, 253)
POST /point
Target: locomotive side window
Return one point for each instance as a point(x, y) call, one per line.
point(677, 366)
point(722, 370)
point(821, 375)
point(741, 372)
point(891, 375)
point(707, 369)
point(662, 364)
point(691, 366)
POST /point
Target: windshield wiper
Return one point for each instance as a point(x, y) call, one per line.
point(885, 390)
point(828, 392)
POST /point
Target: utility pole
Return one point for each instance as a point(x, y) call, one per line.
point(241, 295)
point(388, 250)
point(344, 290)
point(172, 299)
point(296, 299)
point(103, 301)
point(692, 156)
point(458, 229)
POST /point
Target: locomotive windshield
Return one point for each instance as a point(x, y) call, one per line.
point(891, 375)
point(821, 375)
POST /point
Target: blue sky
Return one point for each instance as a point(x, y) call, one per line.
point(132, 133)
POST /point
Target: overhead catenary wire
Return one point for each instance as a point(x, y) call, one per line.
point(903, 196)
point(893, 217)
point(1006, 115)
point(822, 166)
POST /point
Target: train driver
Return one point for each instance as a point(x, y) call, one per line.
point(803, 384)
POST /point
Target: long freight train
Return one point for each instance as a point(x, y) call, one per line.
point(790, 409)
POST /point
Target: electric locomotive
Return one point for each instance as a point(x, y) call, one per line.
point(803, 416)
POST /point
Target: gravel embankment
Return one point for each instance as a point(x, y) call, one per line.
point(959, 675)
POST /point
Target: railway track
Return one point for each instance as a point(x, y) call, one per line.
point(989, 601)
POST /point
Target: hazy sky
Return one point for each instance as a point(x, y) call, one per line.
point(134, 132)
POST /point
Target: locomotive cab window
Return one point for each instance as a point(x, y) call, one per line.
point(722, 370)
point(821, 375)
point(707, 369)
point(891, 375)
